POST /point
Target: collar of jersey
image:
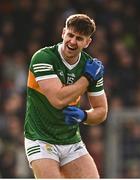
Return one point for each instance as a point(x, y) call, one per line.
point(69, 66)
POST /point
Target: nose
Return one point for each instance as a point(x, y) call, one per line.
point(73, 40)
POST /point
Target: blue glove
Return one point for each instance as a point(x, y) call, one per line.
point(74, 115)
point(94, 69)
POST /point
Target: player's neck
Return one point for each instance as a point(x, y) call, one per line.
point(71, 59)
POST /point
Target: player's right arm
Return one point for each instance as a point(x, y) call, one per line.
point(59, 95)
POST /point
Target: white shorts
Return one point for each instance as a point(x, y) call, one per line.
point(61, 153)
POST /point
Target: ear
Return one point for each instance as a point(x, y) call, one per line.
point(88, 42)
point(63, 32)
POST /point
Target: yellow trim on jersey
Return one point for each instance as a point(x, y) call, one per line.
point(75, 102)
point(31, 83)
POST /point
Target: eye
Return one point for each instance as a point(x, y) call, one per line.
point(70, 35)
point(79, 38)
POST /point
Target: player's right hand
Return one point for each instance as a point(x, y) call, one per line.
point(94, 69)
point(74, 115)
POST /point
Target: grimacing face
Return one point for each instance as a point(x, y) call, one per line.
point(73, 43)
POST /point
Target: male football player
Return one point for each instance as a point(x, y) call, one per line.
point(58, 76)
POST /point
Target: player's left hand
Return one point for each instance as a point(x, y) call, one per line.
point(94, 69)
point(74, 115)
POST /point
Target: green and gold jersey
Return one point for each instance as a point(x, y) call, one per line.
point(43, 121)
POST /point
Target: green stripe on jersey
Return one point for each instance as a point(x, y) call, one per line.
point(33, 147)
point(34, 152)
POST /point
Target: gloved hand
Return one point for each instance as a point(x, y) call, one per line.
point(94, 69)
point(74, 115)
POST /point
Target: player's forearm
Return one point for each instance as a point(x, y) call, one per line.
point(96, 116)
point(70, 93)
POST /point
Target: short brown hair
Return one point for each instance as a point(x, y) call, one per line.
point(82, 24)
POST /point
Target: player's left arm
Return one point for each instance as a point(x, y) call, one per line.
point(99, 107)
point(98, 112)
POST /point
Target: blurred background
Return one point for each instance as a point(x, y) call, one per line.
point(26, 26)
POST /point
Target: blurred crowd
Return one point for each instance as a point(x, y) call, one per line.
point(28, 25)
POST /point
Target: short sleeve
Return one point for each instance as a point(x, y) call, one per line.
point(96, 89)
point(42, 65)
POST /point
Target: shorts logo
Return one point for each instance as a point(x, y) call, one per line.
point(49, 147)
point(33, 150)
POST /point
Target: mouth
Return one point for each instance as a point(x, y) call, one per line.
point(71, 48)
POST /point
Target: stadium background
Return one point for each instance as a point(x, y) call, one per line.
point(27, 25)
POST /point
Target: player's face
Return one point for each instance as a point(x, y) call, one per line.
point(73, 43)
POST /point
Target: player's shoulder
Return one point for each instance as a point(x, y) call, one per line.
point(85, 55)
point(45, 53)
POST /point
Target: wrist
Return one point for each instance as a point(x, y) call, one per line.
point(85, 116)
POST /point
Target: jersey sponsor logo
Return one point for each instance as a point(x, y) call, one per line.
point(71, 75)
point(42, 67)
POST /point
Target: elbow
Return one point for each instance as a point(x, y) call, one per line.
point(104, 114)
point(58, 104)
point(96, 116)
